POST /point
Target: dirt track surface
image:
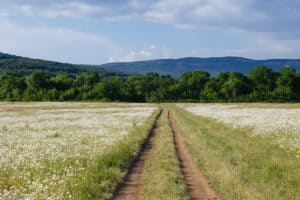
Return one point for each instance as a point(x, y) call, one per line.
point(132, 185)
point(197, 185)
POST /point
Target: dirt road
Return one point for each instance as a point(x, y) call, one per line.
point(197, 185)
point(132, 185)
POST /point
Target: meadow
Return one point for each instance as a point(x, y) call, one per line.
point(247, 151)
point(280, 121)
point(45, 147)
point(83, 150)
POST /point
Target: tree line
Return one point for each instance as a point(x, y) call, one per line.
point(261, 84)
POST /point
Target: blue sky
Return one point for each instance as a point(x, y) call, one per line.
point(96, 32)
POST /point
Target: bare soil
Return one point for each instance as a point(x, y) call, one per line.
point(197, 185)
point(130, 188)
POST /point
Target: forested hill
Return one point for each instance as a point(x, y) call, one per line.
point(25, 66)
point(175, 67)
point(39, 80)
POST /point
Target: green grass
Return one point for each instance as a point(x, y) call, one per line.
point(101, 179)
point(162, 176)
point(254, 105)
point(238, 165)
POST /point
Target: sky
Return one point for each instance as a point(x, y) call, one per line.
point(101, 31)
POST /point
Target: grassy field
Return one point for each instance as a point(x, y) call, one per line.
point(278, 121)
point(162, 176)
point(53, 150)
point(238, 163)
point(84, 150)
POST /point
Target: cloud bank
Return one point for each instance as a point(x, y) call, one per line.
point(272, 27)
point(274, 16)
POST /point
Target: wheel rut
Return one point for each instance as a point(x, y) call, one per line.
point(197, 185)
point(130, 188)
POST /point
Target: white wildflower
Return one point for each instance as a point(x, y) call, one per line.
point(282, 122)
point(43, 145)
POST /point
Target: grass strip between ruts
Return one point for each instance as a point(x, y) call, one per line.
point(162, 176)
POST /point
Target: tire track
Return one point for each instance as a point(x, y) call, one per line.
point(197, 185)
point(130, 188)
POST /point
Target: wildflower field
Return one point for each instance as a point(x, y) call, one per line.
point(280, 121)
point(87, 151)
point(45, 147)
point(247, 151)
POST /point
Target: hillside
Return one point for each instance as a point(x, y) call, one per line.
point(24, 66)
point(175, 67)
point(212, 65)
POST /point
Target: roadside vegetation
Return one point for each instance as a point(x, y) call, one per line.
point(238, 164)
point(163, 178)
point(100, 180)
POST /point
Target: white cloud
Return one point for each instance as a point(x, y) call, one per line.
point(68, 9)
point(274, 16)
point(270, 48)
point(146, 53)
point(270, 28)
point(264, 48)
point(143, 54)
point(73, 10)
point(26, 9)
point(55, 44)
point(223, 14)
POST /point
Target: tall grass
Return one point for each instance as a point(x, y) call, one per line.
point(238, 164)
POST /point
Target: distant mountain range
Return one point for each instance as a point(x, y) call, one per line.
point(175, 67)
point(24, 66)
point(213, 65)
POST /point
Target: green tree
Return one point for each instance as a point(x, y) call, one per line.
point(150, 86)
point(12, 87)
point(84, 84)
point(192, 83)
point(222, 77)
point(62, 82)
point(39, 80)
point(69, 94)
point(167, 88)
point(264, 82)
point(287, 85)
point(98, 91)
point(297, 86)
point(184, 85)
point(134, 91)
point(211, 90)
point(236, 87)
point(112, 88)
point(38, 85)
